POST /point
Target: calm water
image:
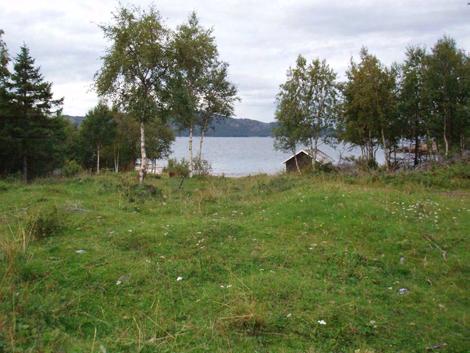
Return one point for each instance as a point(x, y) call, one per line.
point(240, 156)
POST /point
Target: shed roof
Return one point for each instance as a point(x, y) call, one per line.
point(321, 156)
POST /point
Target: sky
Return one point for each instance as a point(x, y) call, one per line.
point(259, 39)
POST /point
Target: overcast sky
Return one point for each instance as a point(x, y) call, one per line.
point(259, 39)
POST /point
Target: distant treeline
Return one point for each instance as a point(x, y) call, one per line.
point(423, 103)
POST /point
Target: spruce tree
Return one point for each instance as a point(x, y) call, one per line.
point(7, 150)
point(37, 128)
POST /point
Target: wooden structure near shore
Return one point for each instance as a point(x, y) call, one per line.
point(424, 152)
point(303, 160)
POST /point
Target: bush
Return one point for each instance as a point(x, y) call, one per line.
point(201, 167)
point(140, 192)
point(324, 167)
point(177, 168)
point(71, 168)
point(3, 186)
point(45, 223)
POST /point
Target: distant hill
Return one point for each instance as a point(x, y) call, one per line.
point(76, 120)
point(229, 127)
point(233, 127)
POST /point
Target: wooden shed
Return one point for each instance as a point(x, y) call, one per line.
point(304, 160)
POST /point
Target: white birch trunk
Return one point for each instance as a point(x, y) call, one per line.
point(191, 151)
point(386, 151)
point(201, 141)
point(315, 153)
point(445, 138)
point(116, 160)
point(297, 163)
point(25, 169)
point(143, 154)
point(98, 159)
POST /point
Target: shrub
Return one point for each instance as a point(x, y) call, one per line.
point(3, 186)
point(140, 192)
point(71, 168)
point(45, 223)
point(201, 167)
point(325, 167)
point(177, 168)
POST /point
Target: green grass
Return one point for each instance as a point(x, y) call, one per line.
point(263, 260)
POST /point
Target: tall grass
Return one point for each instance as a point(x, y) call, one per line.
point(14, 246)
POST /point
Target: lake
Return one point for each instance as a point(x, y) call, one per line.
point(241, 156)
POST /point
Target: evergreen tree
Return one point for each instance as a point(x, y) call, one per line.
point(37, 128)
point(7, 151)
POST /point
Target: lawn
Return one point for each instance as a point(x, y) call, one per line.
point(255, 264)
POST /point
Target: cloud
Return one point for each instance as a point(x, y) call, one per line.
point(260, 39)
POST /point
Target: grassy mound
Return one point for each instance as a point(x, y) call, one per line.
point(257, 264)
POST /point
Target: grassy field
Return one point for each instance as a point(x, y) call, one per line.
point(257, 264)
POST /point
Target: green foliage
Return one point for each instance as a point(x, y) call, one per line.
point(134, 73)
point(201, 167)
point(141, 192)
point(134, 69)
point(45, 222)
point(199, 90)
point(413, 98)
point(98, 130)
point(71, 168)
point(447, 83)
point(369, 108)
point(307, 106)
point(177, 168)
point(31, 133)
point(425, 100)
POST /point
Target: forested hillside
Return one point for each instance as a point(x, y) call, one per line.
point(227, 127)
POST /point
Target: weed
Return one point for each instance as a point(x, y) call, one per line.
point(45, 222)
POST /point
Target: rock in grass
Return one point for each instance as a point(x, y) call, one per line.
point(123, 279)
point(403, 291)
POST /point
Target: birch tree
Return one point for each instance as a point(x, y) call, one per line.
point(200, 88)
point(98, 129)
point(369, 107)
point(135, 68)
point(307, 106)
point(446, 85)
point(320, 96)
point(412, 98)
point(289, 114)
